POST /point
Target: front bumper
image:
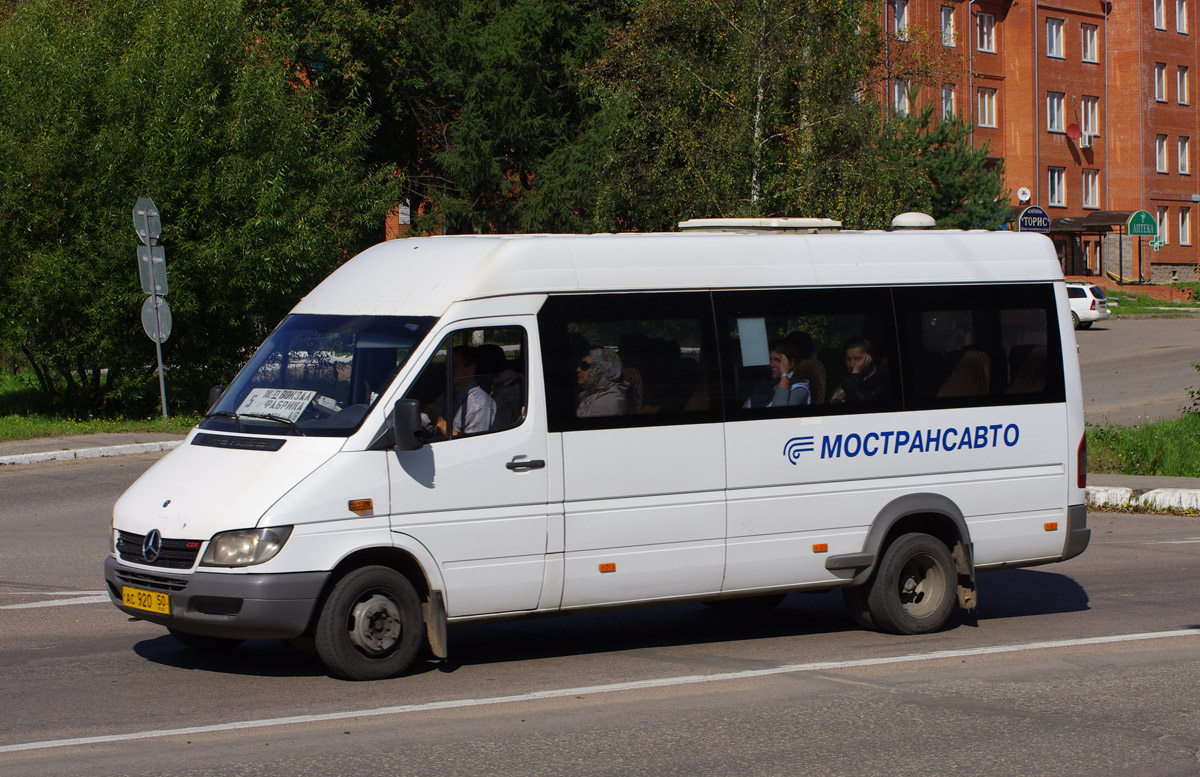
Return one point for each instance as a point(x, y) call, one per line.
point(212, 604)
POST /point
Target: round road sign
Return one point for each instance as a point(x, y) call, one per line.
point(164, 318)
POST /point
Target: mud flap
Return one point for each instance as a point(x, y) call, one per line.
point(967, 596)
point(434, 613)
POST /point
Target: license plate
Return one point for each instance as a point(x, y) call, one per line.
point(150, 601)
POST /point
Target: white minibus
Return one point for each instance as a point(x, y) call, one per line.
point(451, 429)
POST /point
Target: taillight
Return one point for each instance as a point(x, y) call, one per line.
point(1093, 304)
point(1081, 464)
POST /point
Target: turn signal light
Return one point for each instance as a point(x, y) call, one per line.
point(1052, 526)
point(609, 567)
point(361, 505)
point(821, 547)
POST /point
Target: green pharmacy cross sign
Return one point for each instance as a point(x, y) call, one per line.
point(1141, 224)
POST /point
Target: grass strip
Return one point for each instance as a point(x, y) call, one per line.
point(31, 427)
point(1166, 448)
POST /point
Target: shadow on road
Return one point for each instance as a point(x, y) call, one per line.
point(260, 658)
point(1003, 594)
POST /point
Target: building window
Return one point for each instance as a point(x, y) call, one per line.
point(1164, 233)
point(1091, 188)
point(949, 109)
point(1160, 15)
point(986, 116)
point(1058, 186)
point(1181, 16)
point(1160, 81)
point(1055, 111)
point(1054, 38)
point(1160, 153)
point(900, 19)
point(1185, 153)
point(948, 25)
point(1185, 226)
point(1090, 115)
point(901, 89)
point(985, 32)
point(1182, 88)
point(1089, 50)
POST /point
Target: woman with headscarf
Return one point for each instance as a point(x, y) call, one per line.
point(601, 392)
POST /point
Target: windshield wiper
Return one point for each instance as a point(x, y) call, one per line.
point(272, 417)
point(225, 414)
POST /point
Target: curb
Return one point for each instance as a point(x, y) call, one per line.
point(1120, 497)
point(90, 453)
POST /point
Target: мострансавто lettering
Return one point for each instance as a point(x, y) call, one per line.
point(904, 441)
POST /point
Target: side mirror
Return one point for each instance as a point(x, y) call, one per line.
point(407, 428)
point(214, 396)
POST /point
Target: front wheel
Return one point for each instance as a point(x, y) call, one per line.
point(370, 626)
point(914, 588)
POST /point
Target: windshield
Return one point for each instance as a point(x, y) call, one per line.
point(317, 375)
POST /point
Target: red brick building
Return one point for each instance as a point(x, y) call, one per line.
point(1090, 104)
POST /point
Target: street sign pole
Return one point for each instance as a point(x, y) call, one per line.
point(148, 225)
point(158, 338)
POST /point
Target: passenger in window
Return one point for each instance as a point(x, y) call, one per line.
point(503, 384)
point(783, 389)
point(866, 381)
point(601, 391)
point(474, 410)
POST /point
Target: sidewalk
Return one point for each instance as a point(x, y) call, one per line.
point(1127, 492)
point(85, 446)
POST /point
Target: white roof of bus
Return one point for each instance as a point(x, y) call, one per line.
point(424, 276)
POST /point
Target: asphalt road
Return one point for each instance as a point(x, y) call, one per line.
point(1030, 684)
point(1137, 369)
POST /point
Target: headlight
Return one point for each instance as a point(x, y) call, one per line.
point(245, 547)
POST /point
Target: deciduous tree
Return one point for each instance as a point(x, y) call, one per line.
point(261, 188)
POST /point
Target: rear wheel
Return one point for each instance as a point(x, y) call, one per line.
point(1086, 324)
point(1074, 319)
point(913, 589)
point(370, 627)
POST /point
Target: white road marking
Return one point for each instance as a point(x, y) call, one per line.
point(1188, 541)
point(93, 598)
point(51, 593)
point(662, 682)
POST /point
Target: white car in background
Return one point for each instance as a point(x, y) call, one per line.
point(1088, 303)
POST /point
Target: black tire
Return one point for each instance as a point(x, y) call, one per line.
point(913, 590)
point(370, 627)
point(201, 642)
point(1086, 324)
point(1074, 319)
point(747, 605)
point(855, 599)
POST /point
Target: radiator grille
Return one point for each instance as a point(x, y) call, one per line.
point(175, 554)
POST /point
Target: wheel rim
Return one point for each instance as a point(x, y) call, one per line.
point(922, 585)
point(375, 624)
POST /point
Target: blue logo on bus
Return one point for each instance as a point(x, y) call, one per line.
point(798, 445)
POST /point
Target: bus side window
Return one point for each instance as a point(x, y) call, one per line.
point(979, 345)
point(616, 360)
point(838, 344)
